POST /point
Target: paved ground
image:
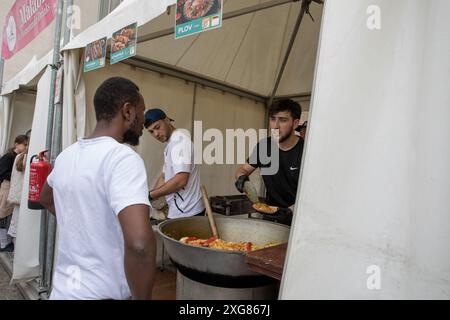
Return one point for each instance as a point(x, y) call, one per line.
point(7, 292)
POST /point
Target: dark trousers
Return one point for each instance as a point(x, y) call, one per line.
point(5, 222)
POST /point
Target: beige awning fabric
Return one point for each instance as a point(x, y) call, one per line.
point(245, 53)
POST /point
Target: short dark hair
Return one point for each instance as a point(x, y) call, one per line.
point(286, 105)
point(112, 95)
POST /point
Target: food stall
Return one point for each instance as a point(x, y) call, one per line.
point(197, 78)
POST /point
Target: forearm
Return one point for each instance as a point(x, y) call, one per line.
point(159, 183)
point(140, 268)
point(51, 208)
point(244, 170)
point(239, 172)
point(46, 199)
point(173, 185)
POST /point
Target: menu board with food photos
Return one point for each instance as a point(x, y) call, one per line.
point(123, 43)
point(95, 55)
point(194, 16)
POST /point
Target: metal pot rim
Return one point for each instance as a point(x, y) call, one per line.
point(168, 221)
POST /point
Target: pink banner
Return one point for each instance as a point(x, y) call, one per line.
point(25, 20)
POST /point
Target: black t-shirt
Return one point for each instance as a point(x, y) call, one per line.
point(281, 184)
point(6, 166)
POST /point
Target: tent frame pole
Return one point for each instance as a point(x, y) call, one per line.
point(306, 96)
point(43, 237)
point(155, 66)
point(304, 9)
point(151, 65)
point(226, 16)
point(2, 66)
point(55, 137)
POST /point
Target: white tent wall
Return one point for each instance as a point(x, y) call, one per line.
point(214, 108)
point(7, 113)
point(74, 101)
point(23, 115)
point(373, 200)
point(26, 257)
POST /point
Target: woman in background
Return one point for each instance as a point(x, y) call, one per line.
point(15, 192)
point(6, 168)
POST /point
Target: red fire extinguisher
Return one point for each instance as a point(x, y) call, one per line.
point(39, 171)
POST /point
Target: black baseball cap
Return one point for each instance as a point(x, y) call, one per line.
point(153, 115)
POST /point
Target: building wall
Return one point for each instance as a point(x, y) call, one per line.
point(43, 43)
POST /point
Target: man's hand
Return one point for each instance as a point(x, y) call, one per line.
point(284, 216)
point(140, 250)
point(240, 182)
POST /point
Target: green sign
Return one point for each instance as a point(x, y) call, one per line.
point(194, 16)
point(124, 43)
point(95, 55)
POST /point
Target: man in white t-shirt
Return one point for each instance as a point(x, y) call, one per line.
point(98, 191)
point(180, 180)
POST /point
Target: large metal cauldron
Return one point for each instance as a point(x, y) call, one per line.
point(217, 267)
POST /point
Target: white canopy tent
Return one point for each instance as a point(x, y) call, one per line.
point(25, 107)
point(14, 95)
point(183, 91)
point(380, 205)
point(231, 71)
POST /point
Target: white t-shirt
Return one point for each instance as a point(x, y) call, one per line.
point(93, 181)
point(179, 157)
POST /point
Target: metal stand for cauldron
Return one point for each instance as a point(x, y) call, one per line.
point(188, 289)
point(204, 273)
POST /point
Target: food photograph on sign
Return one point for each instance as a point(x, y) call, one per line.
point(123, 38)
point(123, 43)
point(96, 50)
point(195, 16)
point(95, 55)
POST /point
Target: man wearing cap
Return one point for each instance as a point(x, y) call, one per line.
point(180, 180)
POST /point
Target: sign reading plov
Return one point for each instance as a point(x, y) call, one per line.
point(95, 55)
point(123, 43)
point(25, 20)
point(194, 16)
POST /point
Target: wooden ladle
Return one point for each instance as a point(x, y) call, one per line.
point(212, 221)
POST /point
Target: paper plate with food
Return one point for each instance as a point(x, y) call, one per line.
point(264, 208)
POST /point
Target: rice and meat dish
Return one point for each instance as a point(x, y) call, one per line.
point(223, 245)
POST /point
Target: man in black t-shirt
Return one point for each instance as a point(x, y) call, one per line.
point(279, 158)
